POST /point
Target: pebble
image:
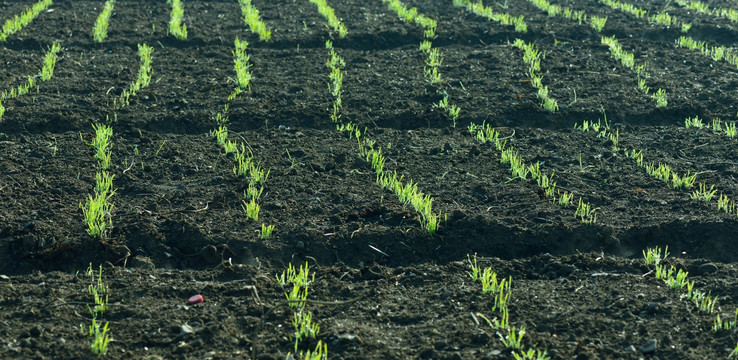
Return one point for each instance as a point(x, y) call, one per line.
point(195, 299)
point(652, 308)
point(186, 329)
point(630, 349)
point(649, 347)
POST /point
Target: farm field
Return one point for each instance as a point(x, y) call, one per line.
point(459, 181)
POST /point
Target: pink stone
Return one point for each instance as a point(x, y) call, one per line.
point(195, 299)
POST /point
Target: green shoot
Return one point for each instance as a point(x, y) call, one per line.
point(100, 31)
point(475, 272)
point(176, 28)
point(703, 193)
point(144, 76)
point(266, 231)
point(251, 18)
point(513, 341)
point(653, 256)
point(597, 23)
point(532, 57)
point(19, 21)
point(479, 9)
point(328, 13)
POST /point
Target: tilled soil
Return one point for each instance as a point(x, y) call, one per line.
point(393, 291)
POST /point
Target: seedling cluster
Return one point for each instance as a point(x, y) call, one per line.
point(100, 31)
point(519, 170)
point(718, 126)
point(500, 291)
point(702, 8)
point(251, 17)
point(627, 59)
point(434, 58)
point(676, 279)
point(98, 207)
point(45, 74)
point(176, 28)
point(717, 53)
point(328, 13)
point(503, 18)
point(408, 194)
point(17, 23)
point(532, 57)
point(302, 319)
point(142, 81)
point(98, 331)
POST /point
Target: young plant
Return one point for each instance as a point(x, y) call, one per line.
point(703, 193)
point(100, 31)
point(251, 18)
point(266, 231)
point(653, 256)
point(241, 65)
point(479, 9)
point(97, 331)
point(176, 28)
point(532, 57)
point(18, 21)
point(330, 15)
point(142, 81)
point(597, 23)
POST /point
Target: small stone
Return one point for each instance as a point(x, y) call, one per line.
point(649, 347)
point(300, 245)
point(630, 349)
point(446, 293)
point(652, 308)
point(186, 329)
point(36, 331)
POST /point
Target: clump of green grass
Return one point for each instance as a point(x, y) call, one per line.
point(17, 23)
point(142, 81)
point(176, 28)
point(98, 207)
point(251, 17)
point(98, 331)
point(45, 74)
point(503, 18)
point(532, 57)
point(328, 13)
point(100, 30)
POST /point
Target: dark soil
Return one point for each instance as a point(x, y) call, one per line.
point(581, 291)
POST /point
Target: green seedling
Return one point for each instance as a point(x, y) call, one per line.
point(586, 213)
point(703, 193)
point(13, 25)
point(241, 65)
point(479, 9)
point(251, 208)
point(266, 231)
point(320, 353)
point(727, 325)
point(531, 354)
point(143, 79)
point(653, 256)
point(328, 13)
point(475, 273)
point(302, 321)
point(176, 28)
point(513, 339)
point(251, 18)
point(660, 97)
point(694, 122)
point(597, 23)
point(97, 331)
point(100, 30)
point(532, 57)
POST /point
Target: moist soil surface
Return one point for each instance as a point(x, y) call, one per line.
point(384, 288)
